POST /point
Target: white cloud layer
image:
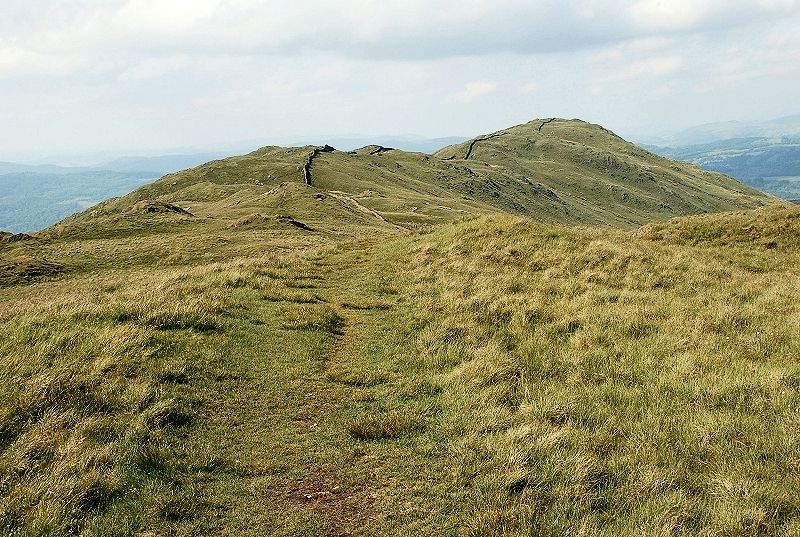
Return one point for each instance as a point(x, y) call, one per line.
point(84, 75)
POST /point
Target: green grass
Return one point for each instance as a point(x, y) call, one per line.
point(90, 400)
point(489, 375)
point(496, 377)
point(569, 172)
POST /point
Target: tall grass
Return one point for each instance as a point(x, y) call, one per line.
point(87, 402)
point(524, 379)
point(604, 383)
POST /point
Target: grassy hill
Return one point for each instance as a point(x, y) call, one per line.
point(234, 351)
point(566, 171)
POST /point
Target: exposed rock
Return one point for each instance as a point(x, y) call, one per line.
point(159, 207)
point(378, 149)
point(286, 219)
point(6, 237)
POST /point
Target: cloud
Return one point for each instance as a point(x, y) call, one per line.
point(647, 68)
point(472, 91)
point(154, 68)
point(17, 61)
point(84, 73)
point(409, 29)
point(693, 15)
point(529, 87)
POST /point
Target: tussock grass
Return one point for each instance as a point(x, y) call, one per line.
point(366, 305)
point(287, 296)
point(91, 400)
point(320, 317)
point(361, 376)
point(625, 387)
point(527, 380)
point(71, 423)
point(27, 270)
point(384, 425)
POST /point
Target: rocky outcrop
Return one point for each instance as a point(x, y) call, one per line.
point(159, 207)
point(286, 219)
point(545, 123)
point(380, 149)
point(481, 139)
point(6, 237)
point(310, 161)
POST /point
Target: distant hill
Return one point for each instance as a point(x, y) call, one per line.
point(769, 164)
point(764, 153)
point(724, 131)
point(161, 164)
point(16, 167)
point(554, 170)
point(35, 196)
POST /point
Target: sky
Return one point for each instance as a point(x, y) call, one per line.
point(145, 76)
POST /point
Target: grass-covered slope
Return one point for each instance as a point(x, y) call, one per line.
point(551, 170)
point(494, 376)
point(273, 344)
point(593, 176)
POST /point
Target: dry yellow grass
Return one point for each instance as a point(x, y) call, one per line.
point(597, 382)
point(491, 377)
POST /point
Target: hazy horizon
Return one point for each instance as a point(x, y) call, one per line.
point(142, 77)
point(353, 140)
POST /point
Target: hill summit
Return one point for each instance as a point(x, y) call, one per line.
point(553, 170)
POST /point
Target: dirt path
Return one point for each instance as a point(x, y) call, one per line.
point(276, 422)
point(349, 200)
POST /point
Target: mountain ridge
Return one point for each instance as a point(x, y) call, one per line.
point(553, 170)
